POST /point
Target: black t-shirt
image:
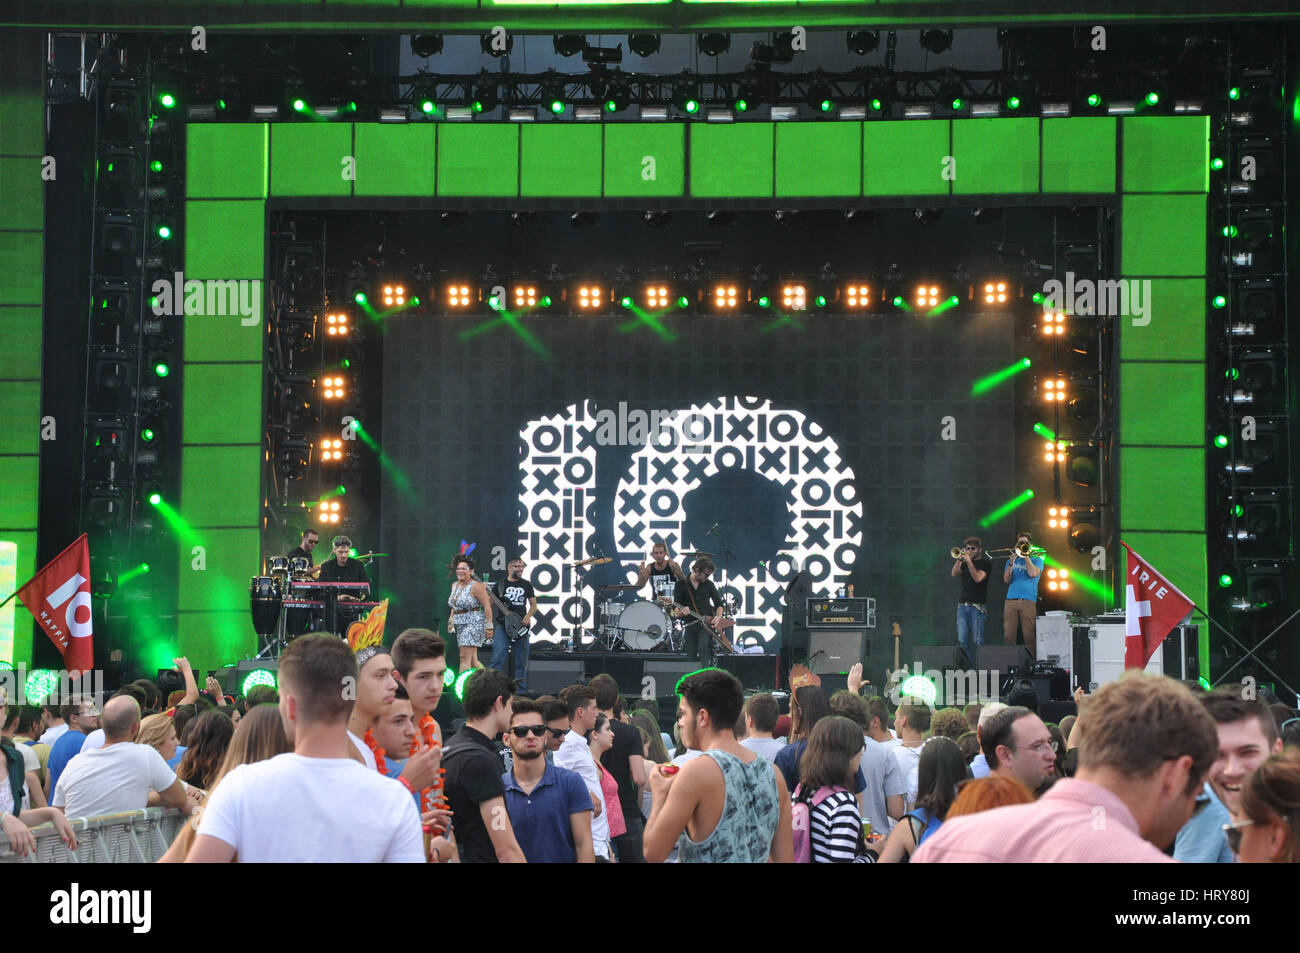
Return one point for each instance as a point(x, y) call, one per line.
point(473, 776)
point(299, 553)
point(351, 571)
point(515, 594)
point(972, 591)
point(703, 600)
point(663, 582)
point(617, 760)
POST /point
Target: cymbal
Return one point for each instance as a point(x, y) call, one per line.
point(697, 554)
point(619, 586)
point(594, 561)
point(371, 556)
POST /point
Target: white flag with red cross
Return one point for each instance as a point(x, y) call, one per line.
point(1151, 610)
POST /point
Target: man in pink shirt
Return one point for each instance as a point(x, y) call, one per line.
point(1147, 746)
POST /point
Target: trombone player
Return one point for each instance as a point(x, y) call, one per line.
point(1020, 612)
point(973, 567)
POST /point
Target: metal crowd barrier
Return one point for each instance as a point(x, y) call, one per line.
point(136, 837)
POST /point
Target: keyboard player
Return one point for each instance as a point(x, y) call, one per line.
point(342, 568)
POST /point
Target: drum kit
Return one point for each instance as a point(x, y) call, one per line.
point(639, 626)
point(289, 584)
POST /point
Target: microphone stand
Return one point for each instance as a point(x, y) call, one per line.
point(727, 555)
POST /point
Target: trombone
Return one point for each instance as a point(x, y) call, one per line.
point(1024, 550)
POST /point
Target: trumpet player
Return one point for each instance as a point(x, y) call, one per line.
point(1020, 613)
point(973, 567)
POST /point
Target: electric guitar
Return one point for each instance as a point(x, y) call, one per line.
point(512, 621)
point(723, 624)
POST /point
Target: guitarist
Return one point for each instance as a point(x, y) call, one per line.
point(698, 593)
point(510, 642)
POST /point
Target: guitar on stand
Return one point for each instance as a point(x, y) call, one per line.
point(894, 678)
point(719, 640)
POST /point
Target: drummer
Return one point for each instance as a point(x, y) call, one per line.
point(663, 574)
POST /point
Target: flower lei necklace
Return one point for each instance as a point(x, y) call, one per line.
point(432, 796)
point(380, 763)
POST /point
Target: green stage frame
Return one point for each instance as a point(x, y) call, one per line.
point(1153, 169)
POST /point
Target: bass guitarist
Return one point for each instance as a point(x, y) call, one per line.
point(516, 604)
point(698, 594)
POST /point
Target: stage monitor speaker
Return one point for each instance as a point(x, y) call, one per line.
point(666, 674)
point(794, 627)
point(756, 672)
point(934, 657)
point(1002, 659)
point(832, 651)
point(548, 676)
point(1040, 686)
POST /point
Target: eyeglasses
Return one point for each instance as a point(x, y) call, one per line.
point(522, 731)
point(1039, 747)
point(1233, 833)
point(558, 733)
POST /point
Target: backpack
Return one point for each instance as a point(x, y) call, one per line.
point(801, 819)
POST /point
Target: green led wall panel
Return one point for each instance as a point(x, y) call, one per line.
point(1164, 489)
point(1181, 559)
point(226, 161)
point(20, 329)
point(478, 160)
point(1163, 235)
point(1166, 153)
point(22, 192)
point(223, 585)
point(25, 539)
point(19, 399)
point(224, 239)
point(643, 160)
point(309, 158)
point(22, 114)
point(18, 476)
point(731, 161)
point(995, 156)
point(1176, 331)
point(223, 403)
point(229, 501)
point(905, 158)
point(1161, 403)
point(23, 281)
point(559, 160)
point(1079, 155)
point(396, 159)
point(818, 159)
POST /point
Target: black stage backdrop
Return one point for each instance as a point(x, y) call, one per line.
point(814, 442)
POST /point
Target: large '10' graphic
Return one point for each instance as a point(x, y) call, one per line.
point(559, 517)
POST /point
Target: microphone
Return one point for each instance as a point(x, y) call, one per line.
point(713, 530)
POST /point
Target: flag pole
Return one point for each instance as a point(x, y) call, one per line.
point(9, 599)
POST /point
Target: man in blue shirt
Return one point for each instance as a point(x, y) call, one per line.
point(1201, 839)
point(549, 807)
point(82, 717)
point(1021, 609)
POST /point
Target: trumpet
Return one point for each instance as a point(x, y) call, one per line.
point(957, 552)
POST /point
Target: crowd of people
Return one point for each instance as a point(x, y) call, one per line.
point(345, 762)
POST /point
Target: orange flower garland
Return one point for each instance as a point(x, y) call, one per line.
point(431, 797)
point(380, 763)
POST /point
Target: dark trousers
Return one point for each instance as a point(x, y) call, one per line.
point(628, 845)
point(699, 643)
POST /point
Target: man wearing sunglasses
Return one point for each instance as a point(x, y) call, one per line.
point(549, 808)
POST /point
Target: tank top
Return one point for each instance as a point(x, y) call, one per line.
point(749, 815)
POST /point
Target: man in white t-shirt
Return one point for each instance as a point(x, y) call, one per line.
point(119, 776)
point(315, 804)
point(760, 714)
point(912, 721)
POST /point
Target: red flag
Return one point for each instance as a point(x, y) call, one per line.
point(1152, 608)
point(59, 597)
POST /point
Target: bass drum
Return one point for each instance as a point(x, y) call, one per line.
point(644, 626)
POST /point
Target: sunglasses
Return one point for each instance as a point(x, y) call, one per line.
point(558, 733)
point(522, 731)
point(1233, 833)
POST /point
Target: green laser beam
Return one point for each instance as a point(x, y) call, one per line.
point(985, 384)
point(133, 573)
point(510, 320)
point(945, 306)
point(781, 321)
point(1006, 508)
point(649, 320)
point(395, 473)
point(1044, 431)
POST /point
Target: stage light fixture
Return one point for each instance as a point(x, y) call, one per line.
point(862, 42)
point(525, 296)
point(458, 296)
point(332, 387)
point(1054, 390)
point(996, 292)
point(1053, 322)
point(425, 45)
point(1055, 451)
point(794, 297)
point(330, 511)
point(926, 296)
point(1057, 517)
point(657, 218)
point(591, 297)
point(584, 219)
point(818, 96)
point(394, 295)
point(927, 216)
point(720, 218)
point(618, 95)
point(336, 324)
point(331, 450)
point(1082, 465)
point(714, 44)
point(656, 297)
point(643, 44)
point(484, 98)
point(1057, 580)
point(686, 94)
point(725, 297)
point(936, 41)
point(780, 50)
point(569, 44)
point(857, 297)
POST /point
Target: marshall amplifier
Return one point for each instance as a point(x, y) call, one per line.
point(836, 613)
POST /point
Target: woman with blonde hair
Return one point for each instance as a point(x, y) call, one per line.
point(159, 733)
point(259, 736)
